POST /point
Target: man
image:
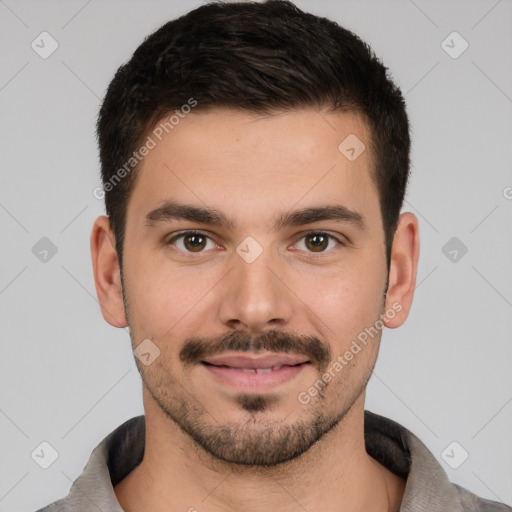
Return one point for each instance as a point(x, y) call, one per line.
point(254, 161)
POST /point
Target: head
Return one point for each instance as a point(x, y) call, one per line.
point(261, 58)
point(247, 123)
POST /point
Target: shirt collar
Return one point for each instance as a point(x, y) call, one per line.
point(391, 444)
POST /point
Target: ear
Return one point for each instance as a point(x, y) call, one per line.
point(402, 272)
point(107, 276)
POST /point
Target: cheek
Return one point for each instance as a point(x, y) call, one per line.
point(158, 297)
point(165, 300)
point(347, 303)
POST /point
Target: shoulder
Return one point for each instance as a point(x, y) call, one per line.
point(472, 503)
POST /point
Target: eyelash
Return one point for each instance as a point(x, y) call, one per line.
point(309, 233)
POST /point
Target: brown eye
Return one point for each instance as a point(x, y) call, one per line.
point(317, 242)
point(192, 242)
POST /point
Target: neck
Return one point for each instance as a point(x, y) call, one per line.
point(336, 473)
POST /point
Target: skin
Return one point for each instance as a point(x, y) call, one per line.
point(253, 168)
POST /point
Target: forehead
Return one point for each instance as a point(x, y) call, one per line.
point(254, 164)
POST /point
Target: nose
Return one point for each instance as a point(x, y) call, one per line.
point(255, 296)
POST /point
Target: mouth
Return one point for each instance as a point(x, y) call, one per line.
point(251, 372)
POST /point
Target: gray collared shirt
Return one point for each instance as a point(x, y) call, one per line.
point(427, 490)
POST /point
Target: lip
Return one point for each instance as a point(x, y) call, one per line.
point(253, 373)
point(267, 360)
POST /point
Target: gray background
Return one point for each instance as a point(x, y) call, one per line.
point(68, 378)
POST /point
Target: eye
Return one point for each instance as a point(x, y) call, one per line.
point(317, 241)
point(192, 241)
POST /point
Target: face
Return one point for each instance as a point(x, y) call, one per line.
point(254, 258)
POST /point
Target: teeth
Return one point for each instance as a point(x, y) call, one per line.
point(261, 370)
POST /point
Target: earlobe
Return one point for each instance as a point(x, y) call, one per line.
point(107, 277)
point(403, 269)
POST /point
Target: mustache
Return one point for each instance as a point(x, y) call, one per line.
point(196, 349)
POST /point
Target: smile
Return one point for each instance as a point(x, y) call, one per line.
point(246, 372)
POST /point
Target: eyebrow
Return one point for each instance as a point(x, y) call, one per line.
point(172, 210)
